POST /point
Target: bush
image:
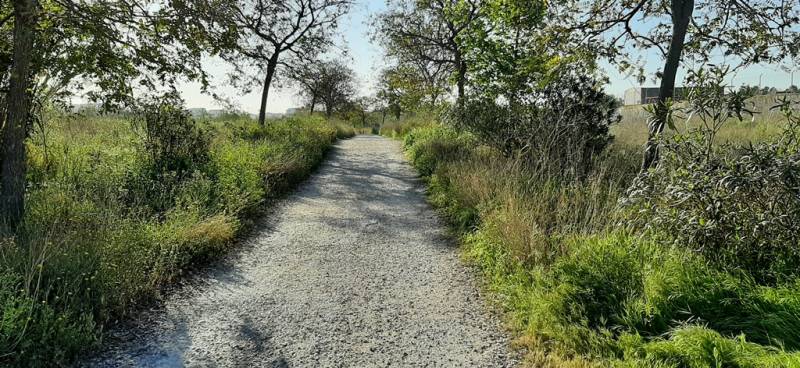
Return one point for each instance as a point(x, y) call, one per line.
point(559, 128)
point(739, 209)
point(174, 148)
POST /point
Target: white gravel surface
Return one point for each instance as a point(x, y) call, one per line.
point(352, 270)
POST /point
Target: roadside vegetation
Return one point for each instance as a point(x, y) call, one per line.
point(684, 254)
point(103, 207)
point(681, 268)
point(120, 206)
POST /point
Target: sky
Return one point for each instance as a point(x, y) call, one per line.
point(366, 59)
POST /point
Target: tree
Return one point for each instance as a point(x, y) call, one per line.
point(308, 79)
point(429, 34)
point(337, 85)
point(275, 33)
point(12, 199)
point(508, 52)
point(107, 44)
point(680, 30)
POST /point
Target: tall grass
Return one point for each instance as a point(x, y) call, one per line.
point(582, 289)
point(94, 246)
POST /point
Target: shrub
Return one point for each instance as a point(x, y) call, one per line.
point(558, 128)
point(174, 148)
point(739, 209)
point(426, 147)
point(738, 206)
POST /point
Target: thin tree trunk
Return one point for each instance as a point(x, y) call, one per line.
point(328, 110)
point(272, 64)
point(12, 173)
point(681, 16)
point(461, 77)
point(313, 105)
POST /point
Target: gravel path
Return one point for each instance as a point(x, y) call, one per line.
point(352, 270)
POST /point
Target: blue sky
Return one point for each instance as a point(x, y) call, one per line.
point(366, 59)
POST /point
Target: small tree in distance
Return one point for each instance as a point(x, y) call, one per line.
point(336, 85)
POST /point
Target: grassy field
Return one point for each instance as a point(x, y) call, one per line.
point(580, 285)
point(114, 213)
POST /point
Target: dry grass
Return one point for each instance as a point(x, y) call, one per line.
point(765, 124)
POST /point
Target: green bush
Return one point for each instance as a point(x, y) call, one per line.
point(559, 128)
point(581, 290)
point(740, 210)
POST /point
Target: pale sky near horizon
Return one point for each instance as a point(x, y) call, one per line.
point(366, 58)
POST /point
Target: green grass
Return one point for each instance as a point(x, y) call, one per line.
point(93, 246)
point(580, 288)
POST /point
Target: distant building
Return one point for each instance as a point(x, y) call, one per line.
point(198, 112)
point(648, 95)
point(216, 113)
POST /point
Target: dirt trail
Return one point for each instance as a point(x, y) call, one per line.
point(353, 270)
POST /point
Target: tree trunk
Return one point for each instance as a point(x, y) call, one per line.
point(272, 64)
point(328, 110)
point(12, 173)
point(461, 78)
point(313, 105)
point(681, 16)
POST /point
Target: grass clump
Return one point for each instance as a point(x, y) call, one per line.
point(118, 208)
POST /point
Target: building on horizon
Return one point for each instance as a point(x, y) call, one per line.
point(648, 95)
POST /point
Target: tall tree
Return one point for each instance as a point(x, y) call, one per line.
point(280, 33)
point(308, 79)
point(508, 49)
point(430, 34)
point(746, 32)
point(404, 89)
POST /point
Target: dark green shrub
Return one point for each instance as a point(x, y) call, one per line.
point(740, 209)
point(738, 206)
point(559, 128)
point(174, 148)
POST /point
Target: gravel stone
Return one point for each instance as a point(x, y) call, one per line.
point(352, 270)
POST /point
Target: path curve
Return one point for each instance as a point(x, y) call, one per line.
point(353, 270)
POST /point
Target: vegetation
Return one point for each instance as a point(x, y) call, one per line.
point(585, 283)
point(684, 254)
point(688, 263)
point(268, 35)
point(120, 207)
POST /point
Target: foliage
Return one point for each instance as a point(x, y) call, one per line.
point(580, 290)
point(753, 32)
point(429, 36)
point(93, 247)
point(560, 127)
point(737, 208)
point(273, 36)
point(507, 49)
point(175, 148)
point(337, 85)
